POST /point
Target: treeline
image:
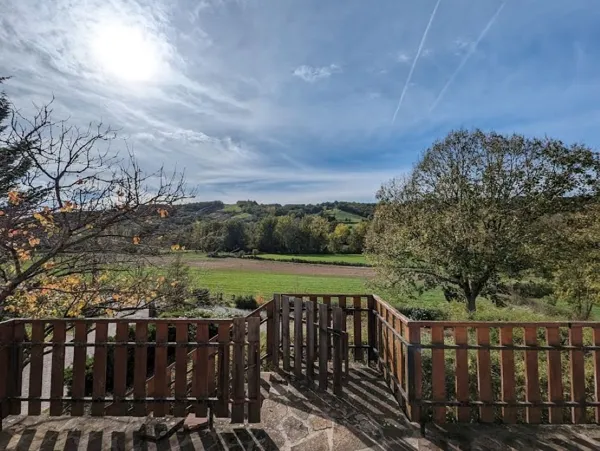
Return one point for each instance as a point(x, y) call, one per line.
point(309, 234)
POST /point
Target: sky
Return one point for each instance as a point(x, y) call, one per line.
point(307, 100)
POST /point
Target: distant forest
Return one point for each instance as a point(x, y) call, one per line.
point(250, 227)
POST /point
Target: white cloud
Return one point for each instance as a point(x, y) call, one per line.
point(311, 74)
point(403, 58)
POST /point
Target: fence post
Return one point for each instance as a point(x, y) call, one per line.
point(276, 329)
point(16, 367)
point(285, 332)
point(414, 373)
point(338, 351)
point(254, 370)
point(298, 337)
point(239, 332)
point(371, 328)
point(310, 340)
point(323, 346)
point(270, 330)
point(6, 339)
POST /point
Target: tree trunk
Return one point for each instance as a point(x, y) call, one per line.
point(471, 304)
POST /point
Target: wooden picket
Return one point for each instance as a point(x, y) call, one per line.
point(166, 394)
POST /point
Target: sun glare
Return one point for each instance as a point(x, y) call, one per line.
point(125, 52)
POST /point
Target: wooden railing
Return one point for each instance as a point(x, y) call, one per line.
point(538, 372)
point(472, 371)
point(438, 370)
point(231, 362)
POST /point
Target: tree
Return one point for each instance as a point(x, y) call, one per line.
point(472, 209)
point(265, 238)
point(68, 214)
point(358, 233)
point(315, 231)
point(574, 259)
point(338, 241)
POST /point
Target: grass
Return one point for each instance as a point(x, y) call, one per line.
point(344, 216)
point(236, 282)
point(346, 258)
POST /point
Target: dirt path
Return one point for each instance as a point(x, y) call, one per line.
point(243, 264)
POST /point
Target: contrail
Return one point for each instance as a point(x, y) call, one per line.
point(414, 63)
point(466, 57)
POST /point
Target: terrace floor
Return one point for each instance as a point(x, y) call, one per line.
point(295, 418)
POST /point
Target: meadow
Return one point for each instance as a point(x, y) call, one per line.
point(238, 282)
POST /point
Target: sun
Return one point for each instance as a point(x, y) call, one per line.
point(126, 52)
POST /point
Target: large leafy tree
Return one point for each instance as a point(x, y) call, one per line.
point(472, 209)
point(69, 209)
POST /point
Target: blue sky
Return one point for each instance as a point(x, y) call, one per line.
point(305, 101)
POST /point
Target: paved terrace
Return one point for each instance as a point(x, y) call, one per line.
point(294, 418)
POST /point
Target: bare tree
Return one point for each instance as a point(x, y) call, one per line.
point(65, 225)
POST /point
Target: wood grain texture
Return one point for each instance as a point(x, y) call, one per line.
point(462, 373)
point(237, 410)
point(323, 346)
point(298, 337)
point(484, 375)
point(36, 366)
point(285, 332)
point(79, 357)
point(201, 372)
point(57, 380)
point(181, 336)
point(99, 369)
point(577, 375)
point(438, 374)
point(533, 415)
point(160, 370)
point(507, 372)
point(140, 368)
point(555, 385)
point(254, 370)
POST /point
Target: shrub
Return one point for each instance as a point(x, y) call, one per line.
point(245, 302)
point(423, 314)
point(202, 296)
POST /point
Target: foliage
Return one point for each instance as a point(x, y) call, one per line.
point(245, 302)
point(71, 209)
point(474, 208)
point(175, 287)
point(575, 257)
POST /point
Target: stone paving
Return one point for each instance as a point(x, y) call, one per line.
point(296, 418)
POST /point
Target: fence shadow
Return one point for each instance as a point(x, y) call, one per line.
point(97, 434)
point(505, 437)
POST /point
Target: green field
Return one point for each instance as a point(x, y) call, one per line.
point(344, 216)
point(326, 258)
point(234, 282)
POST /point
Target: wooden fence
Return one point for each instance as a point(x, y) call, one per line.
point(539, 372)
point(438, 370)
point(233, 368)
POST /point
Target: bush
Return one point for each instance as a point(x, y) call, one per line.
point(202, 296)
point(245, 302)
point(423, 314)
point(532, 289)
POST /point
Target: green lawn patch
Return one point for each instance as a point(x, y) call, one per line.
point(236, 282)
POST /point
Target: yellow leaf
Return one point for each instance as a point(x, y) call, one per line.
point(14, 197)
point(175, 247)
point(34, 241)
